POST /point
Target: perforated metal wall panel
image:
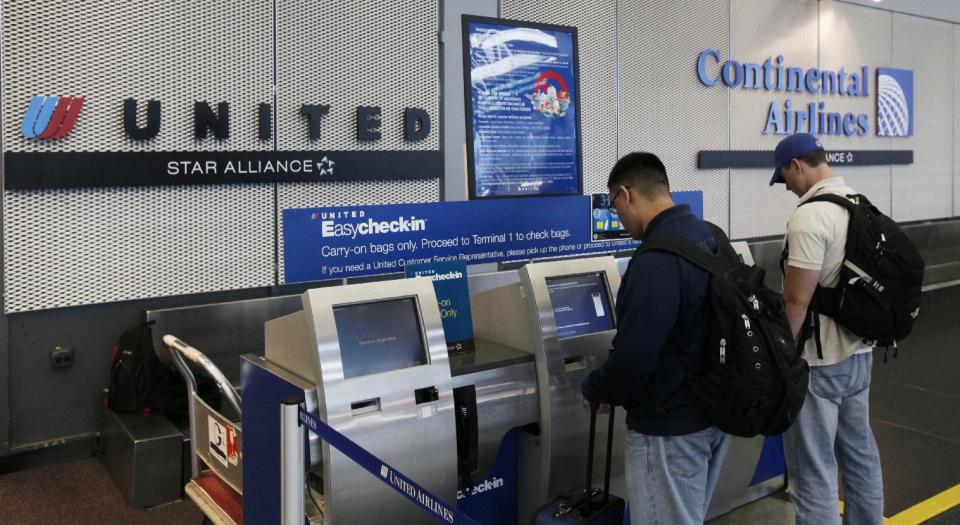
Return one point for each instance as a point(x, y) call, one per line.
point(107, 51)
point(850, 37)
point(71, 247)
point(761, 29)
point(596, 23)
point(923, 190)
point(75, 247)
point(348, 53)
point(664, 109)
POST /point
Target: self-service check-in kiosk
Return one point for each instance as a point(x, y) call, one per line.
point(505, 422)
point(374, 358)
point(562, 312)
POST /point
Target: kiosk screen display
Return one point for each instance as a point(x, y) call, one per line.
point(580, 304)
point(379, 336)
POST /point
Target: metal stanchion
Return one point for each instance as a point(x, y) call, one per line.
point(291, 463)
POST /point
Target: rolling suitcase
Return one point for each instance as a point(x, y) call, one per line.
point(585, 505)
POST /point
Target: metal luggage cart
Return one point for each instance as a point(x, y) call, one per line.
point(216, 441)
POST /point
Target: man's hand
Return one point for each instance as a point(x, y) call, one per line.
point(602, 408)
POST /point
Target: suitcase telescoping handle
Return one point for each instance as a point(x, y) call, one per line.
point(587, 507)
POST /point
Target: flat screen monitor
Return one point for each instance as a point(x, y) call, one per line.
point(379, 336)
point(580, 304)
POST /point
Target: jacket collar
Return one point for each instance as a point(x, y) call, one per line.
point(665, 217)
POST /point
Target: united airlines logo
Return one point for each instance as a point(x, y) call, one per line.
point(50, 117)
point(894, 102)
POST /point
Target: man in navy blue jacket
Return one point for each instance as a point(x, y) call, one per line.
point(673, 454)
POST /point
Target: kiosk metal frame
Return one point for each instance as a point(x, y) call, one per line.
point(415, 403)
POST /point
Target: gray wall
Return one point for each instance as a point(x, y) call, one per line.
point(639, 90)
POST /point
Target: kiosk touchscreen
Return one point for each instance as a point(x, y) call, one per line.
point(580, 304)
point(562, 312)
point(377, 355)
point(392, 343)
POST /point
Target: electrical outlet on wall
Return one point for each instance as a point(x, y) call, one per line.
point(61, 356)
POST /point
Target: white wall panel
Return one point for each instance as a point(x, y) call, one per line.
point(663, 108)
point(761, 29)
point(924, 190)
point(956, 122)
point(850, 37)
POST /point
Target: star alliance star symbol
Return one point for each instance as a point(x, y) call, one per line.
point(326, 166)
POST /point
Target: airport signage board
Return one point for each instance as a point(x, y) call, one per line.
point(522, 102)
point(50, 122)
point(453, 298)
point(349, 241)
point(894, 92)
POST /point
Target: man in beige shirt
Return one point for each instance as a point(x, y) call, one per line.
point(832, 433)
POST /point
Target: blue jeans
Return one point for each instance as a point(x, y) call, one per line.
point(670, 478)
point(832, 434)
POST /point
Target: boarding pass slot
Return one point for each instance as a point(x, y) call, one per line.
point(572, 364)
point(361, 408)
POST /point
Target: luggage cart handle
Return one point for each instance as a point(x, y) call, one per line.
point(197, 357)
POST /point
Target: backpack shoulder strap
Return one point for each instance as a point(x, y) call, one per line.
point(834, 198)
point(713, 264)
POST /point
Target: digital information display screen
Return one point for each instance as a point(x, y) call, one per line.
point(379, 336)
point(580, 304)
point(522, 108)
point(605, 224)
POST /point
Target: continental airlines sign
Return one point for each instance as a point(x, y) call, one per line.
point(892, 87)
point(49, 120)
point(894, 108)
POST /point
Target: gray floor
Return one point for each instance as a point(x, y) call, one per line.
point(915, 402)
point(80, 493)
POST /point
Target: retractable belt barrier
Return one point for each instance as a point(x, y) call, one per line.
point(393, 478)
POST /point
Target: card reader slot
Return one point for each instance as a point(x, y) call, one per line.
point(426, 395)
point(367, 406)
point(572, 364)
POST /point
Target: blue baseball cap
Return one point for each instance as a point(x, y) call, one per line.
point(790, 148)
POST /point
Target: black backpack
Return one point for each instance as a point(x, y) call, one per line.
point(134, 369)
point(754, 380)
point(878, 295)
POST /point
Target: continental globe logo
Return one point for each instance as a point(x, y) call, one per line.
point(894, 102)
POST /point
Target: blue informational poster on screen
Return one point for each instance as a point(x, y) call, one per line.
point(522, 106)
point(605, 223)
point(453, 298)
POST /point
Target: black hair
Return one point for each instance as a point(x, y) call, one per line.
point(643, 172)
